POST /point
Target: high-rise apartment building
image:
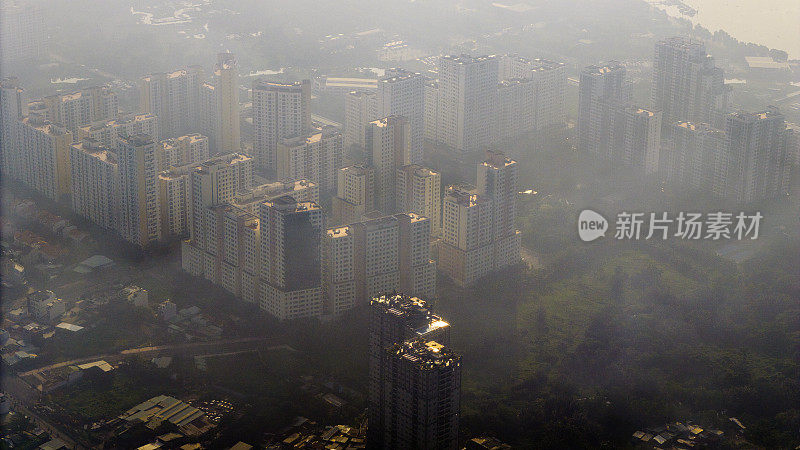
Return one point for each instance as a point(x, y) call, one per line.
point(759, 157)
point(175, 202)
point(423, 396)
point(396, 319)
point(515, 108)
point(209, 120)
point(549, 84)
point(602, 89)
point(402, 93)
point(550, 81)
point(107, 131)
point(375, 257)
point(227, 250)
point(291, 233)
point(360, 108)
point(696, 158)
point(687, 86)
point(417, 269)
point(635, 140)
point(387, 149)
point(466, 250)
point(316, 156)
point(467, 101)
point(431, 97)
point(419, 190)
point(338, 270)
point(11, 111)
point(139, 218)
point(95, 183)
point(399, 93)
point(189, 149)
point(215, 182)
point(497, 181)
point(355, 194)
point(280, 110)
point(174, 98)
point(82, 107)
point(23, 34)
point(227, 73)
point(42, 155)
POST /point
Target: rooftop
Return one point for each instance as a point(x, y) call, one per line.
point(415, 311)
point(278, 86)
point(165, 408)
point(338, 232)
point(97, 150)
point(609, 67)
point(766, 62)
point(426, 354)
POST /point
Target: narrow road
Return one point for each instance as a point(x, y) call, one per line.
point(142, 350)
point(22, 398)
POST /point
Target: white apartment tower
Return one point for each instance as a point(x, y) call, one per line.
point(375, 257)
point(419, 190)
point(515, 108)
point(497, 181)
point(215, 182)
point(209, 121)
point(360, 108)
point(174, 98)
point(466, 249)
point(43, 157)
point(549, 84)
point(107, 131)
point(23, 34)
point(95, 182)
point(83, 107)
point(602, 89)
point(635, 140)
point(189, 149)
point(387, 149)
point(355, 194)
point(338, 277)
point(759, 156)
point(280, 110)
point(140, 218)
point(11, 111)
point(316, 156)
point(467, 101)
point(402, 93)
point(687, 85)
point(227, 73)
point(696, 157)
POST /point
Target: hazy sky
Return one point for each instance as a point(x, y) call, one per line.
point(774, 23)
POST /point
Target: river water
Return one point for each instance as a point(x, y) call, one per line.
point(774, 23)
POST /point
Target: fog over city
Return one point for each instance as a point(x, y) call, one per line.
point(400, 224)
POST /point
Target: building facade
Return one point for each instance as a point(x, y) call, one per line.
point(467, 101)
point(280, 110)
point(419, 190)
point(316, 156)
point(174, 98)
point(140, 210)
point(95, 183)
point(687, 86)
